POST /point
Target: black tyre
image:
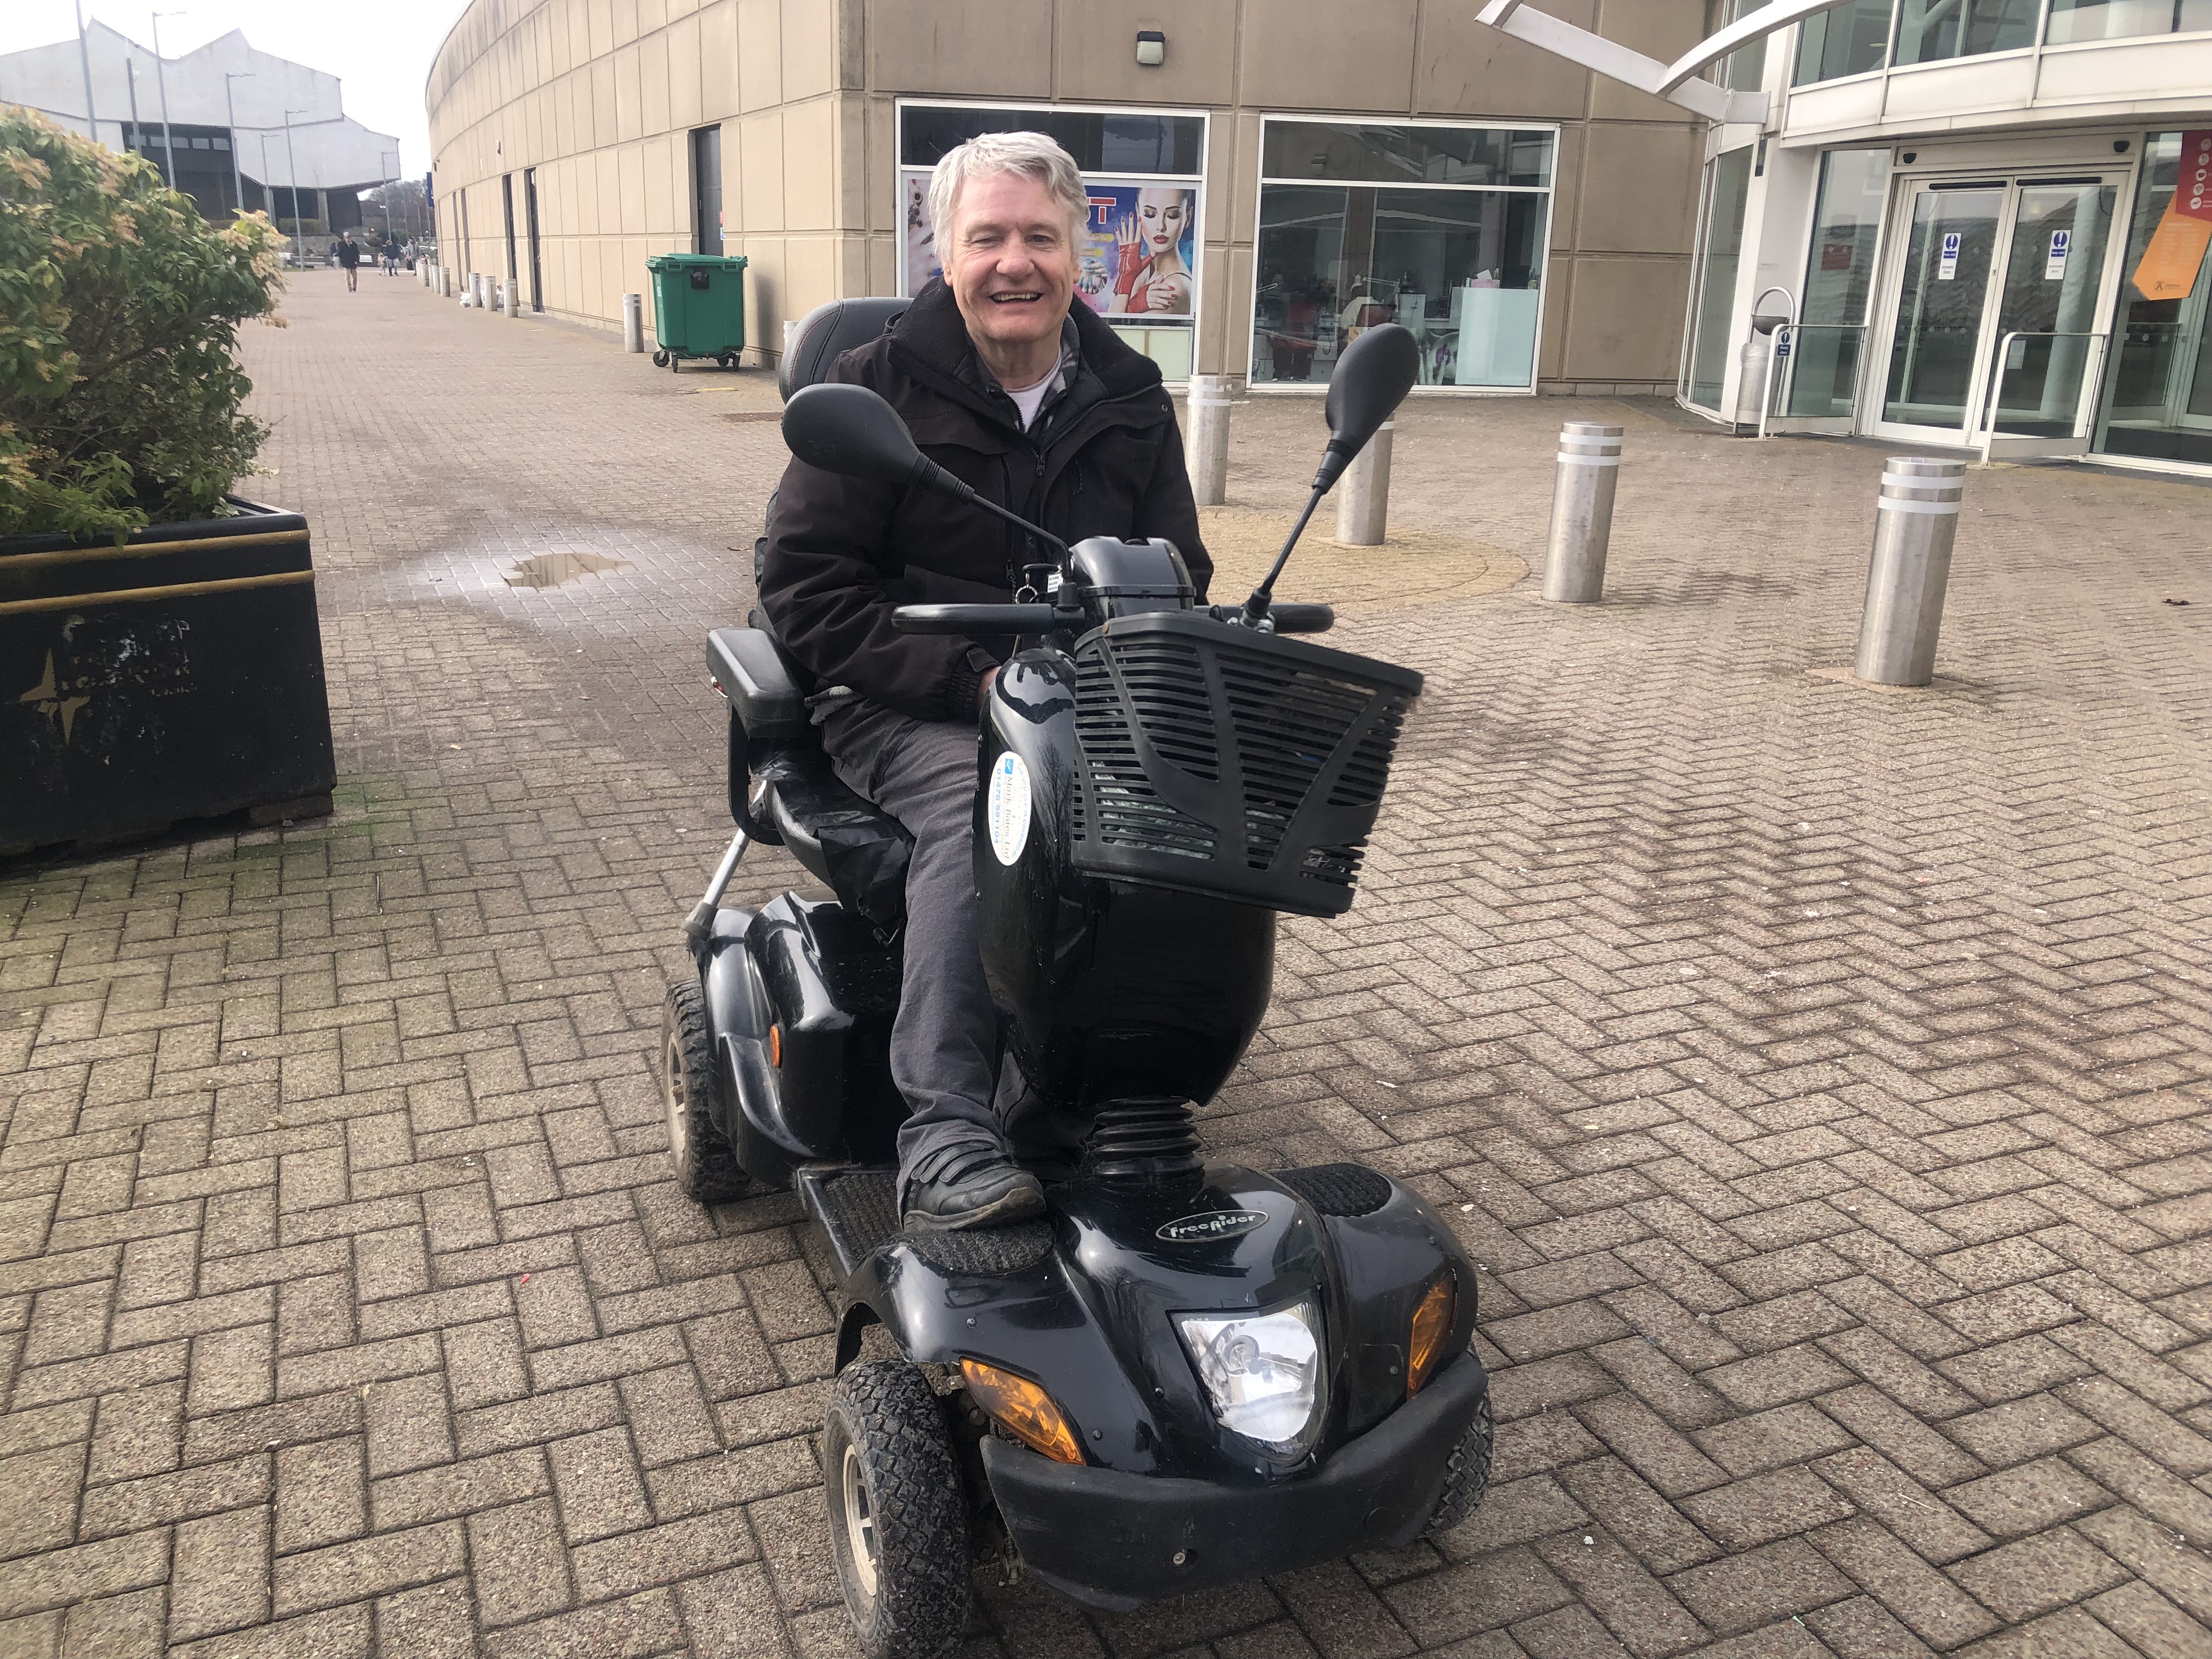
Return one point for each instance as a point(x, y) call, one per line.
point(706, 1163)
point(1467, 1476)
point(728, 360)
point(660, 360)
point(898, 1515)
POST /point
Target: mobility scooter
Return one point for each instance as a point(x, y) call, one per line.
point(1183, 1375)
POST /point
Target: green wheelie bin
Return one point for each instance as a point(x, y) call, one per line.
point(698, 308)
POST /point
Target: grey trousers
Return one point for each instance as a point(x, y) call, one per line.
point(945, 1051)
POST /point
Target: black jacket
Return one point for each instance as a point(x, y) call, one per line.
point(1104, 460)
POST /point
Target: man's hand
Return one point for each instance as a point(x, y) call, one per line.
point(983, 689)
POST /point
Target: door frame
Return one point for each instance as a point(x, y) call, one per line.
point(1885, 313)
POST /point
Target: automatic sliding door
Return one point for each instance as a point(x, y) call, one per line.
point(1942, 297)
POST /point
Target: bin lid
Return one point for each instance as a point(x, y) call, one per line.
point(686, 261)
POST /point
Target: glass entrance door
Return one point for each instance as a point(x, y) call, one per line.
point(1996, 298)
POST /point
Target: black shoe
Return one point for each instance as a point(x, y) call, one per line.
point(974, 1184)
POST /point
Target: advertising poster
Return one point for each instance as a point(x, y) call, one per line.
point(1137, 256)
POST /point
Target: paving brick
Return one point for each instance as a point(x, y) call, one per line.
point(369, 1566)
point(1921, 1598)
point(220, 1581)
point(2039, 1575)
point(1756, 1587)
point(1746, 1514)
point(521, 1570)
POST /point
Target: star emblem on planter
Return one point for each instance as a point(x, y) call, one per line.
point(48, 698)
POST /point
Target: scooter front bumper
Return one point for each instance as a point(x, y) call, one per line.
point(1116, 1540)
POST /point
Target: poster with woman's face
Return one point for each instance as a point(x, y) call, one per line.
point(1136, 255)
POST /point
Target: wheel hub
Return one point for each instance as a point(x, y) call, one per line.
point(679, 1107)
point(860, 1520)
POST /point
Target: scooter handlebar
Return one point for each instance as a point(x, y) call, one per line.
point(974, 618)
point(1289, 618)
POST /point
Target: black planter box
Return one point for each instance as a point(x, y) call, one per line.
point(178, 676)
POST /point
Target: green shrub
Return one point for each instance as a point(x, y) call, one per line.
point(120, 394)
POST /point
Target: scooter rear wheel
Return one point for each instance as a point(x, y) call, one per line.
point(707, 1168)
point(898, 1515)
point(1467, 1476)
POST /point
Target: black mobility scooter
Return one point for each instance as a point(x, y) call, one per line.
point(1184, 1375)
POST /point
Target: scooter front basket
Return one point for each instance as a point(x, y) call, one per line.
point(1225, 761)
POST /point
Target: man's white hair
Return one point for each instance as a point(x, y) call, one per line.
point(1031, 155)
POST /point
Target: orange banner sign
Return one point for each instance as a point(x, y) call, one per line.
point(2169, 268)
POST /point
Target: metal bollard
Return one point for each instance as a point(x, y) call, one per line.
point(1206, 438)
point(633, 322)
point(1363, 499)
point(1581, 512)
point(513, 286)
point(1915, 519)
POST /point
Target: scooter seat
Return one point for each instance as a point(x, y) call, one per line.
point(859, 849)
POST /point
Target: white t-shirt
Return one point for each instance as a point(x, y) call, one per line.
point(1030, 398)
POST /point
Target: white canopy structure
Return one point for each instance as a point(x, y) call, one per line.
point(226, 103)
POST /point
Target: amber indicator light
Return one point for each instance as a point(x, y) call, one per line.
point(775, 1045)
point(1024, 1410)
point(1432, 1328)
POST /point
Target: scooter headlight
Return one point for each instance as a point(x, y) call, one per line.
point(1262, 1370)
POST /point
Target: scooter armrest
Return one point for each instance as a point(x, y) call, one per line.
point(761, 694)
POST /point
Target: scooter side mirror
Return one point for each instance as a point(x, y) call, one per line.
point(851, 431)
point(1371, 380)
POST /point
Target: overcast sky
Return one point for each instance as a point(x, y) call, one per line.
point(380, 50)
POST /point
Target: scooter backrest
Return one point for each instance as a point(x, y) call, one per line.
point(826, 333)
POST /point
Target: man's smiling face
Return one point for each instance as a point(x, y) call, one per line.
point(1010, 264)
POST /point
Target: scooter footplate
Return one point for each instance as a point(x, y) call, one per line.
point(857, 1209)
point(1346, 1189)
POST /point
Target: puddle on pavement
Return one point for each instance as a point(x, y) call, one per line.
point(552, 570)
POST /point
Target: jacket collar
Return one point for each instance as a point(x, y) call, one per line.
point(930, 342)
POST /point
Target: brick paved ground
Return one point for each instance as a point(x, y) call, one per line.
point(1820, 1077)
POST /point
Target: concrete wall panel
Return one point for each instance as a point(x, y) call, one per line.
point(1467, 68)
point(1638, 189)
point(1298, 54)
point(1626, 323)
point(1663, 29)
point(759, 54)
point(971, 48)
point(1095, 59)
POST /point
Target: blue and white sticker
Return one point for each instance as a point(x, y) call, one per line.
point(1007, 807)
point(1947, 268)
point(2054, 266)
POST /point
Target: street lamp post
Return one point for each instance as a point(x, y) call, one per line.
point(268, 196)
point(84, 60)
point(162, 79)
point(230, 107)
point(299, 246)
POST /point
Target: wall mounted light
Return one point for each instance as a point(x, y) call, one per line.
point(1151, 48)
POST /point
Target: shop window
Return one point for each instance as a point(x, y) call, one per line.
point(1930, 31)
point(1745, 68)
point(2117, 19)
point(1720, 239)
point(1831, 338)
point(1141, 255)
point(1449, 239)
point(2158, 391)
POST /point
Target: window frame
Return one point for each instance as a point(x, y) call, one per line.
point(1193, 182)
point(1262, 180)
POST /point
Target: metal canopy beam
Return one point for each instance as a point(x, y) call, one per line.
point(1676, 82)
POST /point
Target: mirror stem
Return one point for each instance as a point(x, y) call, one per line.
point(1255, 608)
point(930, 476)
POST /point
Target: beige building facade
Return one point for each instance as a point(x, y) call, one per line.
point(1286, 173)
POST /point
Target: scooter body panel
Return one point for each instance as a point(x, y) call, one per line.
point(802, 996)
point(1113, 991)
point(1086, 1308)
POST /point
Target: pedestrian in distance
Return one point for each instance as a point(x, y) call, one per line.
point(349, 252)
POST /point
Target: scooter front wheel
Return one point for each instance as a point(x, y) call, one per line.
point(1467, 1476)
point(898, 1515)
point(707, 1168)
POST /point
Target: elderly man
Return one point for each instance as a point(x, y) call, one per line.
point(1036, 404)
